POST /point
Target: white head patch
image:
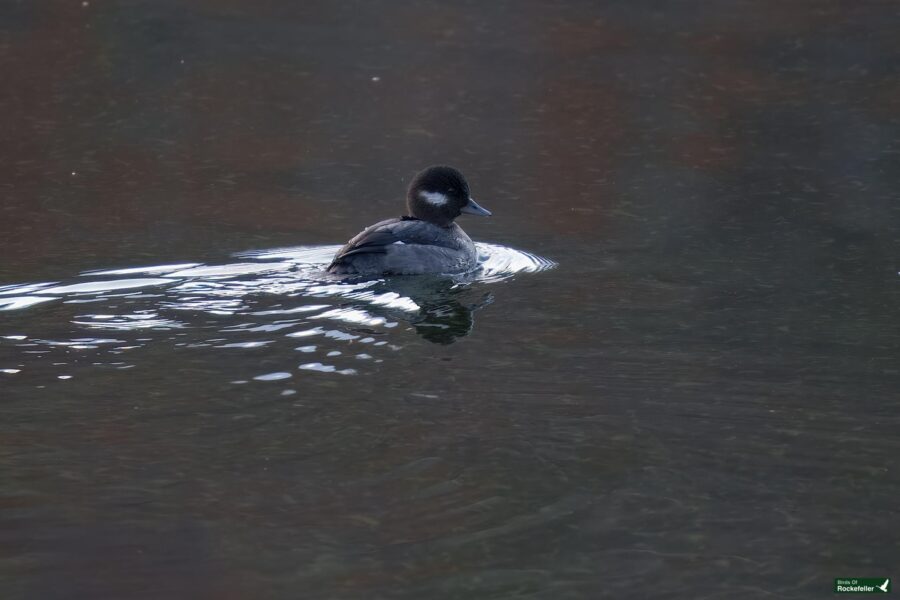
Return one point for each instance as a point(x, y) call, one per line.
point(435, 198)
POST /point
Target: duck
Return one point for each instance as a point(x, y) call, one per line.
point(424, 241)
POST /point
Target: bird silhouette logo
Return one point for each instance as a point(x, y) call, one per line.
point(884, 586)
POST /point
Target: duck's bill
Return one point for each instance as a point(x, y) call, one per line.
point(472, 208)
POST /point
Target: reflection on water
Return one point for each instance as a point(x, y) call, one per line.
point(281, 297)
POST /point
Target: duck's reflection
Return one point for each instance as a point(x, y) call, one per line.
point(446, 306)
point(446, 322)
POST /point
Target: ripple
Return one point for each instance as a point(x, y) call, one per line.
point(80, 342)
point(264, 303)
point(126, 322)
point(500, 262)
point(307, 332)
point(156, 270)
point(495, 262)
point(258, 344)
point(103, 286)
point(317, 366)
point(354, 315)
point(291, 311)
point(277, 376)
point(23, 288)
point(231, 270)
point(221, 288)
point(20, 302)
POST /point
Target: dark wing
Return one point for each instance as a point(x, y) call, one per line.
point(378, 237)
point(373, 239)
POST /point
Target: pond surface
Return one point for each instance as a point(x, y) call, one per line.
point(676, 374)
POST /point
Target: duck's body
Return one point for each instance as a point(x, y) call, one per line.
point(407, 246)
point(428, 241)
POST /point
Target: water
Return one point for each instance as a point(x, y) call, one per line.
point(699, 400)
point(283, 297)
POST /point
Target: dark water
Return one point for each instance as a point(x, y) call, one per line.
point(699, 401)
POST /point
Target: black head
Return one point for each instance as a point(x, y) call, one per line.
point(439, 195)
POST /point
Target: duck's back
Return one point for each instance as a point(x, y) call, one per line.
point(406, 246)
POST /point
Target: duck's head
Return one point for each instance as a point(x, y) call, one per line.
point(439, 195)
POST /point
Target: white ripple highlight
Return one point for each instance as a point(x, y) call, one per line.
point(352, 315)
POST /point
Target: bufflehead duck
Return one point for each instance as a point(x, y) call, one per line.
point(425, 241)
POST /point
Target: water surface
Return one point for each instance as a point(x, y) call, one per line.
point(282, 293)
point(699, 401)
